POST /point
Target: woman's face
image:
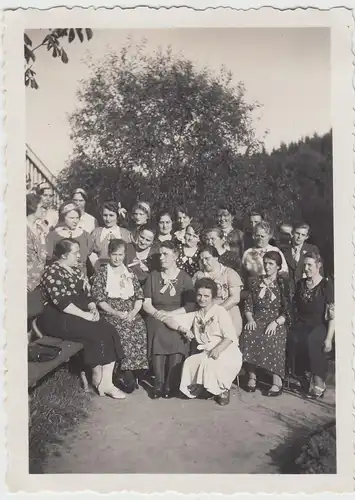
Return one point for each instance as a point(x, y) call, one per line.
point(270, 267)
point(214, 240)
point(311, 267)
point(254, 220)
point(109, 218)
point(145, 239)
point(72, 258)
point(165, 225)
point(204, 297)
point(117, 257)
point(139, 217)
point(208, 262)
point(224, 219)
point(71, 220)
point(79, 201)
point(167, 258)
point(183, 220)
point(47, 198)
point(261, 238)
point(191, 238)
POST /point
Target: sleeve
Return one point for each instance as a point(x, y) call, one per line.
point(56, 289)
point(233, 279)
point(284, 266)
point(196, 277)
point(34, 265)
point(98, 286)
point(228, 330)
point(148, 287)
point(329, 300)
point(286, 306)
point(248, 304)
point(184, 320)
point(50, 245)
point(138, 292)
point(92, 241)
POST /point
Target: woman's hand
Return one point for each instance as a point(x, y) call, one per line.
point(121, 314)
point(250, 325)
point(215, 352)
point(91, 316)
point(131, 316)
point(328, 345)
point(186, 332)
point(271, 328)
point(160, 315)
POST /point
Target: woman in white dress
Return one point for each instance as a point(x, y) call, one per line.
point(219, 359)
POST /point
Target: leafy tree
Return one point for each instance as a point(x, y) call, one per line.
point(52, 42)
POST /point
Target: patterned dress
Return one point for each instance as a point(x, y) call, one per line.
point(188, 264)
point(167, 296)
point(133, 334)
point(267, 303)
point(226, 279)
point(36, 256)
point(81, 236)
point(61, 287)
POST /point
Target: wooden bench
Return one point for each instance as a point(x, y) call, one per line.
point(39, 369)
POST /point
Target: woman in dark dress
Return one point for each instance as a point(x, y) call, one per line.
point(119, 295)
point(140, 216)
point(268, 313)
point(141, 255)
point(71, 314)
point(166, 291)
point(312, 334)
point(188, 259)
point(165, 228)
point(214, 236)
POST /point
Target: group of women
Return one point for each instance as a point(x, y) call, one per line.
point(188, 303)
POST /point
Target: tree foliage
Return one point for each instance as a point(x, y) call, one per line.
point(52, 42)
point(158, 128)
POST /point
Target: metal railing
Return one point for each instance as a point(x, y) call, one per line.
point(37, 173)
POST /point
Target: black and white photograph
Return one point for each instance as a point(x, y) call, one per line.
point(181, 251)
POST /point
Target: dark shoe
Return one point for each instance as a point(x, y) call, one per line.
point(273, 394)
point(250, 388)
point(223, 399)
point(167, 394)
point(157, 393)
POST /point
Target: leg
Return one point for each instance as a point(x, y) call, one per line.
point(174, 374)
point(318, 359)
point(251, 386)
point(106, 387)
point(158, 363)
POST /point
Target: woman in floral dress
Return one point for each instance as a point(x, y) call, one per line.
point(188, 259)
point(267, 311)
point(119, 295)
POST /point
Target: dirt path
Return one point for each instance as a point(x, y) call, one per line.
point(140, 435)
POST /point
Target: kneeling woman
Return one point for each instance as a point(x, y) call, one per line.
point(119, 295)
point(71, 314)
point(267, 311)
point(220, 361)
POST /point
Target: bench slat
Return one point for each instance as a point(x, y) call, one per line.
point(39, 369)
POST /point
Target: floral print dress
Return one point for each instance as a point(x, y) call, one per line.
point(133, 334)
point(267, 303)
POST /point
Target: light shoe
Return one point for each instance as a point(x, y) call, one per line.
point(112, 392)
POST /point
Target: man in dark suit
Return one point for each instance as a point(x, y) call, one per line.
point(295, 254)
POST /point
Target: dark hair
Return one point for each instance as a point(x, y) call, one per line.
point(210, 249)
point(115, 244)
point(82, 192)
point(40, 189)
point(32, 202)
point(225, 206)
point(254, 212)
point(148, 227)
point(63, 247)
point(209, 284)
point(185, 210)
point(196, 226)
point(164, 212)
point(303, 225)
point(275, 256)
point(111, 205)
point(170, 245)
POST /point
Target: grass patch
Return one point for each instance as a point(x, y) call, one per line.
point(318, 455)
point(56, 407)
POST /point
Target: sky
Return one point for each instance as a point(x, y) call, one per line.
point(286, 70)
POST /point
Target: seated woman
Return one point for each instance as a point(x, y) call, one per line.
point(220, 361)
point(166, 291)
point(312, 334)
point(214, 236)
point(268, 312)
point(36, 254)
point(101, 236)
point(183, 218)
point(252, 262)
point(141, 255)
point(86, 222)
point(188, 259)
point(228, 282)
point(71, 314)
point(140, 216)
point(67, 227)
point(119, 296)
